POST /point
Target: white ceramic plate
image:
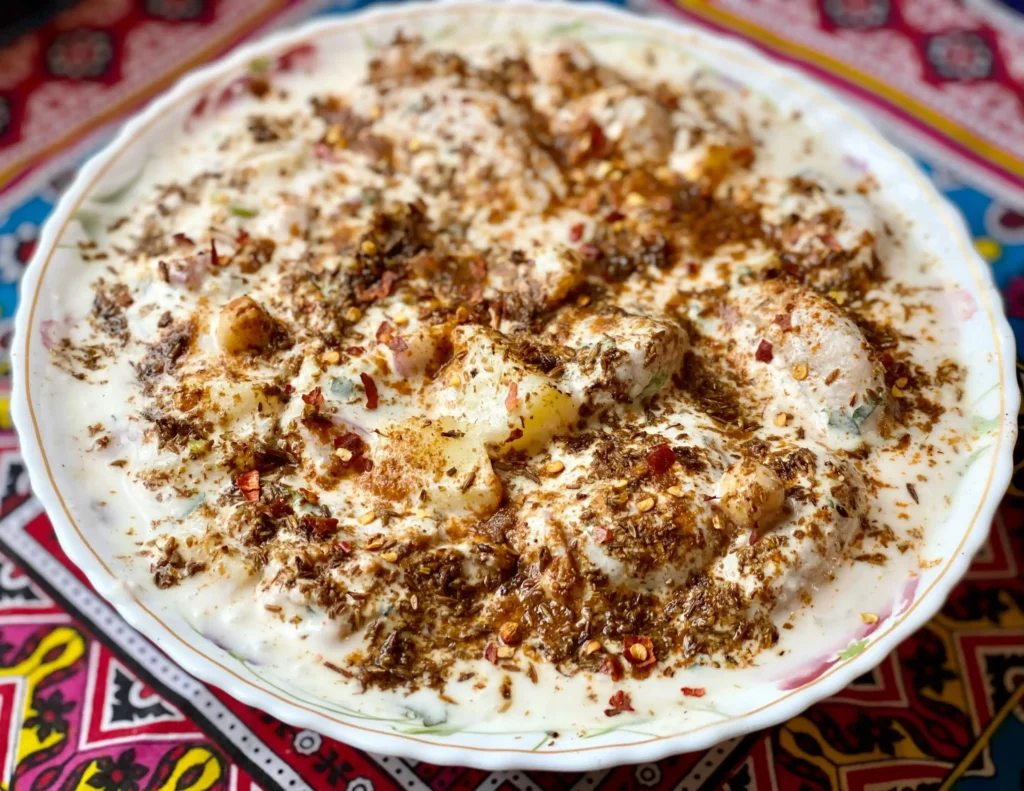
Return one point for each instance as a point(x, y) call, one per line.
point(818, 671)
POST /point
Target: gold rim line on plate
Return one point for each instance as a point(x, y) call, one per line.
point(784, 74)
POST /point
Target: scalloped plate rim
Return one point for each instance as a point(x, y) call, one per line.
point(437, 751)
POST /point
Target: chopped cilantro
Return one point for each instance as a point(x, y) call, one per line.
point(854, 649)
point(855, 419)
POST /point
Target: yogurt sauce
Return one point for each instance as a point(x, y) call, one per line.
point(641, 379)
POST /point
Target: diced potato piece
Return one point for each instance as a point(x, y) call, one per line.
point(543, 411)
point(440, 458)
point(244, 325)
point(751, 495)
point(508, 406)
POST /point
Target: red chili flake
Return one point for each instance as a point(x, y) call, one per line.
point(831, 242)
point(315, 398)
point(350, 441)
point(614, 216)
point(709, 497)
point(387, 281)
point(619, 702)
point(355, 446)
point(180, 238)
point(289, 389)
point(491, 653)
point(514, 434)
point(248, 484)
point(355, 351)
point(371, 390)
point(660, 459)
point(784, 320)
point(894, 369)
point(200, 106)
point(744, 155)
point(611, 666)
point(764, 352)
point(295, 57)
point(512, 399)
point(754, 536)
point(694, 692)
point(602, 535)
point(379, 291)
point(214, 258)
point(397, 344)
point(384, 332)
point(692, 268)
point(242, 237)
point(597, 139)
point(319, 526)
point(638, 650)
point(345, 547)
point(232, 90)
point(576, 232)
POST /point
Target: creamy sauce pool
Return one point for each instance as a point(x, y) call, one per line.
point(439, 386)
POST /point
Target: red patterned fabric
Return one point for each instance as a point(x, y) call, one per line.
point(86, 703)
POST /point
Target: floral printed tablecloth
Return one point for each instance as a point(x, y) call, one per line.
point(86, 703)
